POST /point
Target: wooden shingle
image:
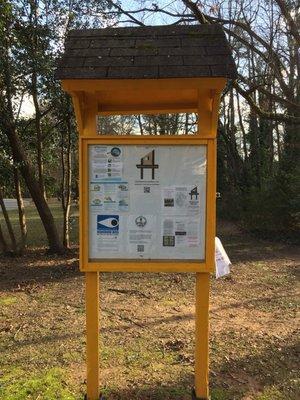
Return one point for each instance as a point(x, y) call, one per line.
point(153, 52)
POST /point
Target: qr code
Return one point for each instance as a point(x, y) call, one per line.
point(169, 202)
point(140, 248)
point(146, 189)
point(168, 241)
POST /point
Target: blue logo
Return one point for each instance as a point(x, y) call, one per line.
point(108, 224)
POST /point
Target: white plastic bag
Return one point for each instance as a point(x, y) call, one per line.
point(222, 260)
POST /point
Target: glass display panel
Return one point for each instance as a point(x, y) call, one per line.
point(147, 202)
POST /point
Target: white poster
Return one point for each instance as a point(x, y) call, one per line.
point(147, 202)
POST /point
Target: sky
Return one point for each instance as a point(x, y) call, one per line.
point(152, 18)
point(27, 108)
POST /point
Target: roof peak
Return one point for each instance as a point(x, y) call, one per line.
point(207, 29)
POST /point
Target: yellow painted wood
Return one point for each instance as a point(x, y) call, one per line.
point(216, 96)
point(202, 336)
point(90, 111)
point(204, 108)
point(145, 140)
point(92, 334)
point(144, 109)
point(135, 101)
point(92, 85)
point(83, 205)
point(208, 108)
point(82, 208)
point(145, 266)
point(78, 103)
point(211, 204)
point(147, 102)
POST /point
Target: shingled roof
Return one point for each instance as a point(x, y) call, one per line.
point(153, 52)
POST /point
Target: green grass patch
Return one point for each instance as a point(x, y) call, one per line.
point(7, 301)
point(221, 394)
point(50, 385)
point(148, 392)
point(36, 233)
point(271, 393)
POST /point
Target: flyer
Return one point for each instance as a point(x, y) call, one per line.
point(180, 232)
point(181, 200)
point(108, 232)
point(106, 162)
point(110, 196)
point(147, 166)
point(141, 229)
point(193, 199)
point(168, 232)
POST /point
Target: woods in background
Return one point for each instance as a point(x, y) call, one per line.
point(42, 147)
point(258, 146)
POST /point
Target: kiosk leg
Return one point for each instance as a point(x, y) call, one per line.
point(92, 334)
point(202, 336)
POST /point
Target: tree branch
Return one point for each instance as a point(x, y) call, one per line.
point(128, 14)
point(203, 19)
point(279, 117)
point(260, 88)
point(41, 116)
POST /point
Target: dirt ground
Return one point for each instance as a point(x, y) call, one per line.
point(147, 328)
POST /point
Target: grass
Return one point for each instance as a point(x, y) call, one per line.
point(147, 333)
point(8, 300)
point(36, 232)
point(271, 393)
point(49, 385)
point(221, 394)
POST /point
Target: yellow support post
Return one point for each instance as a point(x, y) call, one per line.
point(202, 336)
point(92, 334)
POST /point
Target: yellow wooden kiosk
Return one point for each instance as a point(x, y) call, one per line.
point(147, 70)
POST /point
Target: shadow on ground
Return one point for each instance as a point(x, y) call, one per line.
point(36, 267)
point(180, 390)
point(275, 366)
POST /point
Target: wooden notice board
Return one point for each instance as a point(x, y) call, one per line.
point(147, 203)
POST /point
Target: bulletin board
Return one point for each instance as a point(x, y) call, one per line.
point(143, 204)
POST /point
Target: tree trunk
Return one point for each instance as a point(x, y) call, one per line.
point(139, 118)
point(8, 223)
point(186, 124)
point(34, 15)
point(66, 160)
point(3, 244)
point(244, 139)
point(37, 195)
point(21, 210)
point(39, 136)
